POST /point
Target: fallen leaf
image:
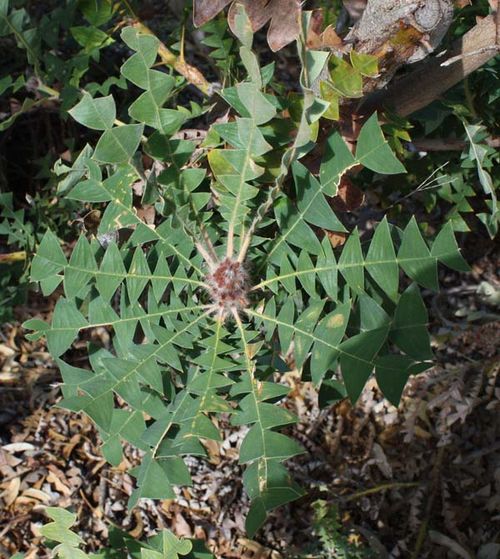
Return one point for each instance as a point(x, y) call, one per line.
point(60, 487)
point(37, 494)
point(182, 528)
point(285, 23)
point(349, 197)
point(10, 493)
point(138, 530)
point(18, 447)
point(336, 239)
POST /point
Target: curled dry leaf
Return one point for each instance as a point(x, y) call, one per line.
point(11, 491)
point(284, 16)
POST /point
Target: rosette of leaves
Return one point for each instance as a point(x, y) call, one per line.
point(233, 283)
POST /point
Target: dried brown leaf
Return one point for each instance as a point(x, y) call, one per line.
point(37, 494)
point(10, 493)
point(258, 12)
point(284, 16)
point(336, 239)
point(349, 197)
point(285, 23)
point(182, 528)
point(331, 39)
point(139, 528)
point(318, 38)
point(205, 10)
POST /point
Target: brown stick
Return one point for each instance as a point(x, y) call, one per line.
point(448, 144)
point(425, 84)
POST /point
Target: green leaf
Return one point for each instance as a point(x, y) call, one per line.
point(381, 260)
point(351, 263)
point(415, 258)
point(373, 151)
point(67, 321)
point(97, 114)
point(311, 203)
point(136, 68)
point(477, 153)
point(241, 25)
point(328, 93)
point(330, 329)
point(336, 161)
point(446, 250)
point(90, 38)
point(49, 259)
point(392, 373)
point(345, 79)
point(266, 480)
point(410, 329)
point(259, 108)
point(82, 266)
point(59, 530)
point(315, 61)
point(278, 490)
point(357, 359)
point(365, 64)
point(153, 480)
point(96, 12)
point(118, 144)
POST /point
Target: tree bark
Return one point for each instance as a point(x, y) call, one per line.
point(435, 76)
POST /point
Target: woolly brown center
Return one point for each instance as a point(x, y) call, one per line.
point(228, 285)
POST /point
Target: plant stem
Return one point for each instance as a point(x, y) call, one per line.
point(18, 256)
point(378, 488)
point(190, 73)
point(422, 533)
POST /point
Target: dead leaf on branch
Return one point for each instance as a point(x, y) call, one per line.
point(318, 38)
point(283, 15)
point(205, 10)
